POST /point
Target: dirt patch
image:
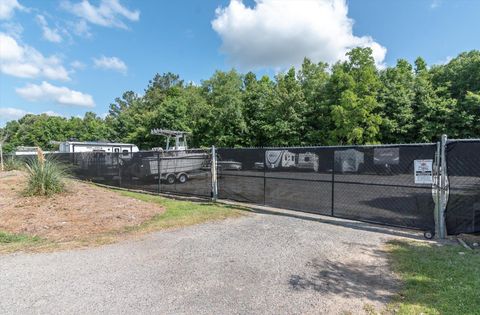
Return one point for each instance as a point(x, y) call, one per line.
point(80, 213)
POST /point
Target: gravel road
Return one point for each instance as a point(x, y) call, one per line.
point(260, 263)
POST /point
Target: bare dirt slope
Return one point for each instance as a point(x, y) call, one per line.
point(84, 210)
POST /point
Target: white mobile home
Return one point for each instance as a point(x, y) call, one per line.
point(107, 147)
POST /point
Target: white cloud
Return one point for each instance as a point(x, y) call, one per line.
point(77, 65)
point(8, 7)
point(59, 94)
point(13, 29)
point(280, 33)
point(10, 113)
point(109, 13)
point(81, 28)
point(110, 63)
point(52, 113)
point(26, 62)
point(50, 34)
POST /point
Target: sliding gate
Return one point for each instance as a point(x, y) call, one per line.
point(388, 184)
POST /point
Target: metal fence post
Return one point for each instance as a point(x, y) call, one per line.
point(436, 190)
point(214, 174)
point(443, 188)
point(119, 170)
point(159, 166)
point(333, 185)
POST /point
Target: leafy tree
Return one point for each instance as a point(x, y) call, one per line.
point(314, 79)
point(396, 97)
point(432, 111)
point(256, 98)
point(223, 92)
point(354, 87)
point(286, 119)
point(350, 102)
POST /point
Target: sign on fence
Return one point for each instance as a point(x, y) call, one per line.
point(423, 171)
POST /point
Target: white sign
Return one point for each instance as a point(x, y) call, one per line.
point(423, 171)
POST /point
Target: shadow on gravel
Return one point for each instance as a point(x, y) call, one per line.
point(348, 280)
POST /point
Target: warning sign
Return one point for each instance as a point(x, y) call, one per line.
point(423, 171)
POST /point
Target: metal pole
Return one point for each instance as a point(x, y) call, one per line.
point(159, 169)
point(443, 188)
point(214, 174)
point(436, 190)
point(264, 178)
point(119, 170)
point(333, 185)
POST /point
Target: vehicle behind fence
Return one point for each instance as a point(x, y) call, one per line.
point(396, 185)
point(374, 184)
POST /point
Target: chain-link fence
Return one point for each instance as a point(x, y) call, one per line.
point(181, 172)
point(367, 183)
point(463, 169)
point(386, 184)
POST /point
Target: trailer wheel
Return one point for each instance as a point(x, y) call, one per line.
point(182, 178)
point(171, 179)
point(429, 235)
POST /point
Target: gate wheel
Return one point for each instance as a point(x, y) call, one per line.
point(429, 235)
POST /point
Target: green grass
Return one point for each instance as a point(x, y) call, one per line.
point(9, 238)
point(437, 279)
point(11, 163)
point(181, 213)
point(10, 242)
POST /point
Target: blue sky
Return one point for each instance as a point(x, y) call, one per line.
point(66, 57)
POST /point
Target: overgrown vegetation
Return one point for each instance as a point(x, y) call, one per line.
point(45, 176)
point(181, 213)
point(350, 102)
point(437, 279)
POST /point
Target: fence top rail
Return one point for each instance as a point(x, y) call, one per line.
point(338, 146)
point(463, 140)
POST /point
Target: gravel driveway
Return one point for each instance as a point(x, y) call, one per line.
point(260, 263)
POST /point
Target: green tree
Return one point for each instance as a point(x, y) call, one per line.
point(314, 79)
point(286, 112)
point(256, 98)
point(396, 97)
point(353, 89)
point(431, 110)
point(223, 92)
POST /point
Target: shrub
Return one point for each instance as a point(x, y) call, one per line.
point(45, 176)
point(12, 163)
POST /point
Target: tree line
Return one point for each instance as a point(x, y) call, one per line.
point(349, 102)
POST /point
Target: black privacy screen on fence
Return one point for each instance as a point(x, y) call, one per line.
point(183, 172)
point(368, 183)
point(463, 169)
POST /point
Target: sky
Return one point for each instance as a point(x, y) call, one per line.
point(67, 57)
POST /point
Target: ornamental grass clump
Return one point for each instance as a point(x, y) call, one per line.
point(45, 176)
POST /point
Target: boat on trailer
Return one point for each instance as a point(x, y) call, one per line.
point(176, 163)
